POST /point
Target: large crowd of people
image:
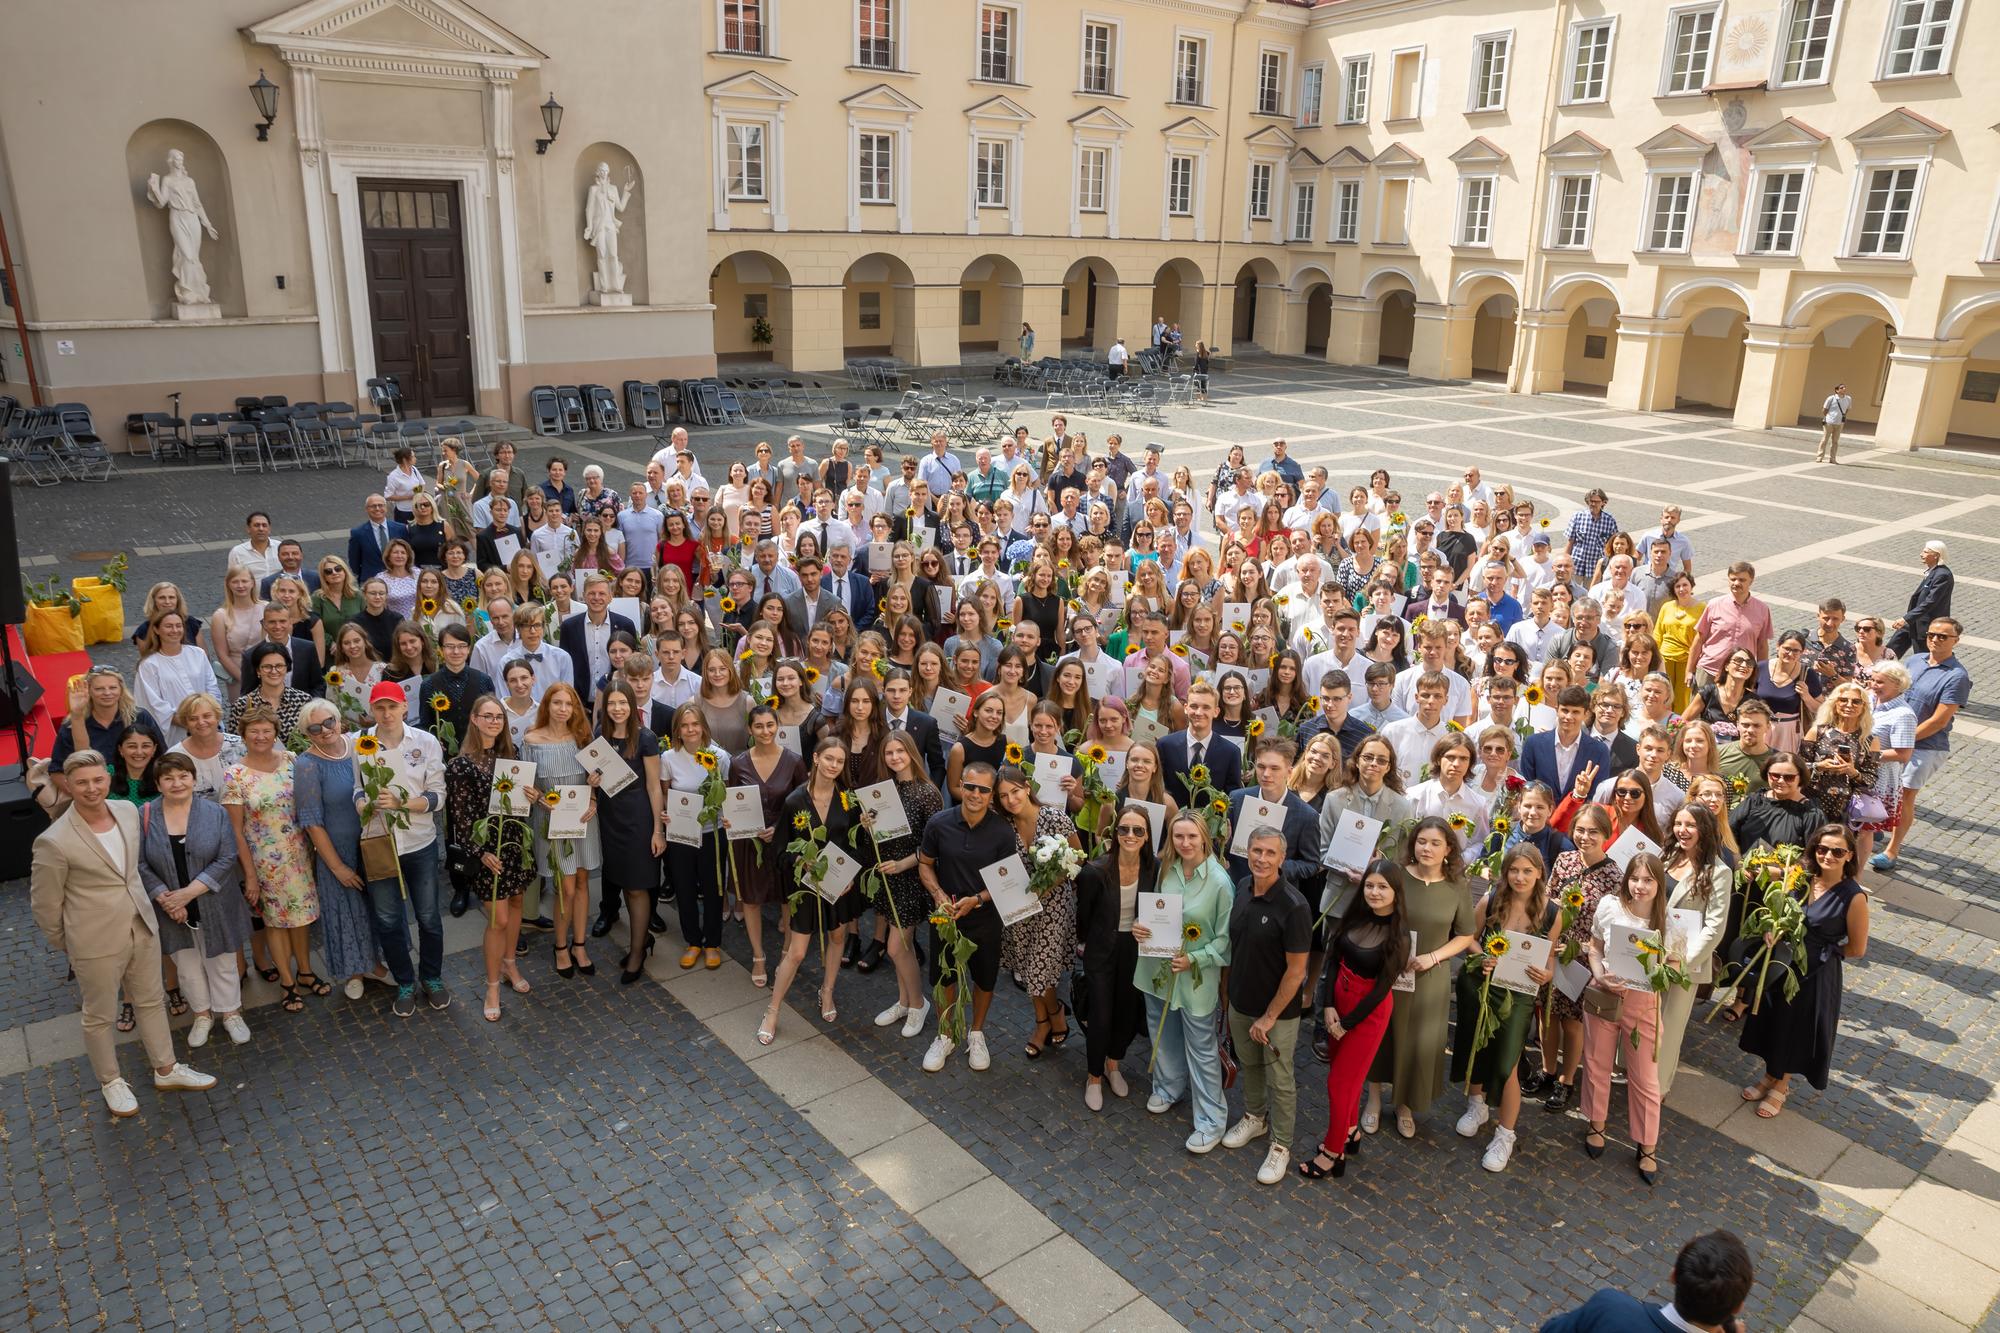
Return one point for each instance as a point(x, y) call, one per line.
point(1242, 762)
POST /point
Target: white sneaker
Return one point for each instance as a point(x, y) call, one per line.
point(118, 1096)
point(1275, 1163)
point(914, 1024)
point(198, 1030)
point(1158, 1105)
point(353, 988)
point(895, 1013)
point(1243, 1131)
point(183, 1079)
point(939, 1052)
point(1200, 1143)
point(238, 1030)
point(1500, 1151)
point(975, 1051)
point(1476, 1115)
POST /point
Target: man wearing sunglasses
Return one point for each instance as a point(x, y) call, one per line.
point(957, 845)
point(1939, 687)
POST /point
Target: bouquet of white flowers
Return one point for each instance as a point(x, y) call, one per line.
point(1051, 862)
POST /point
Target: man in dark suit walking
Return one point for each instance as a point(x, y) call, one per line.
point(586, 636)
point(366, 541)
point(1712, 1280)
point(1198, 746)
point(1554, 758)
point(1931, 600)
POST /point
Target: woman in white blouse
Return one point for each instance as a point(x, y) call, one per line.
point(171, 671)
point(1448, 795)
point(400, 487)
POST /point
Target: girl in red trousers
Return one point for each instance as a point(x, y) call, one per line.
point(1370, 948)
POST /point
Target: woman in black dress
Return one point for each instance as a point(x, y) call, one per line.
point(493, 873)
point(631, 823)
point(860, 728)
point(774, 771)
point(1041, 602)
point(1796, 1036)
point(1107, 896)
point(903, 764)
point(982, 742)
point(821, 802)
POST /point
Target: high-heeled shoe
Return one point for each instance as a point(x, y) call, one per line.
point(1057, 1036)
point(629, 978)
point(583, 965)
point(767, 1031)
point(556, 957)
point(1595, 1150)
point(1352, 1148)
point(492, 1010)
point(826, 1009)
point(1639, 1157)
point(758, 977)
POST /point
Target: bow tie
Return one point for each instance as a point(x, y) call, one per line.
point(531, 657)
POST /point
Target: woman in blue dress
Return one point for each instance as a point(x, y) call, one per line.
point(323, 790)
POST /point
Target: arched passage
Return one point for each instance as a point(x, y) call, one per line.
point(1480, 331)
point(752, 296)
point(1493, 336)
point(1319, 318)
point(989, 304)
point(879, 308)
point(1399, 327)
point(1975, 393)
point(1853, 350)
point(1179, 297)
point(1714, 325)
point(1089, 302)
point(1256, 311)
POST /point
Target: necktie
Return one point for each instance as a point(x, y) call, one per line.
point(381, 538)
point(1197, 753)
point(895, 724)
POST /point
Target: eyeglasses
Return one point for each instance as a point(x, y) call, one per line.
point(1830, 849)
point(1771, 775)
point(318, 728)
point(1939, 634)
point(1628, 793)
point(971, 790)
point(1131, 831)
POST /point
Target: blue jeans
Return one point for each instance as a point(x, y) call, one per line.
point(1190, 1051)
point(385, 905)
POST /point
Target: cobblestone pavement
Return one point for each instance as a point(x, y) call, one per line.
point(584, 1093)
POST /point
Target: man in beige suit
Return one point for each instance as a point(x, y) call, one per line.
point(88, 901)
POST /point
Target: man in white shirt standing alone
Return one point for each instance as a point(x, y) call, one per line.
point(1836, 407)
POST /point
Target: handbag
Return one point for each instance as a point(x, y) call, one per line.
point(378, 857)
point(1602, 1003)
point(1227, 1048)
point(1865, 807)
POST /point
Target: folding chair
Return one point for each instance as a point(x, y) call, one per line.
point(643, 406)
point(244, 446)
point(575, 416)
point(543, 409)
point(386, 397)
point(605, 414)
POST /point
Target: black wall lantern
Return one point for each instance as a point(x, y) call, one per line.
point(265, 94)
point(551, 121)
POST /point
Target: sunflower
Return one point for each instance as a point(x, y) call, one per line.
point(1013, 753)
point(367, 746)
point(1075, 606)
point(1220, 806)
point(1062, 566)
point(706, 758)
point(846, 801)
point(911, 512)
point(552, 798)
point(1418, 624)
point(1096, 754)
point(937, 918)
point(1453, 726)
point(1573, 900)
point(1284, 599)
point(1236, 627)
point(1273, 662)
point(727, 604)
point(429, 606)
point(743, 656)
point(1256, 727)
point(503, 785)
point(1312, 704)
point(1532, 695)
point(1543, 524)
point(1497, 947)
point(1130, 585)
point(1399, 518)
point(1198, 775)
point(469, 605)
point(1738, 786)
point(1191, 932)
point(1647, 948)
point(1180, 650)
point(748, 541)
point(1502, 824)
point(880, 668)
point(335, 676)
point(1003, 624)
point(812, 675)
point(1459, 823)
point(801, 821)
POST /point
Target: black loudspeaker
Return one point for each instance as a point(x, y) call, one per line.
point(19, 693)
point(13, 602)
point(21, 821)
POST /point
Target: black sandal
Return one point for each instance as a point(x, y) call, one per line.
point(176, 1003)
point(1056, 1039)
point(1312, 1170)
point(1033, 1050)
point(291, 1003)
point(127, 1020)
point(313, 984)
point(268, 973)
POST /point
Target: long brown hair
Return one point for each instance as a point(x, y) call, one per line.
point(474, 747)
point(579, 716)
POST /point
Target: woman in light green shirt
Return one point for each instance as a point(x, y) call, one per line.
point(1183, 992)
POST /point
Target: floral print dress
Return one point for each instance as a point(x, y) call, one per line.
point(278, 850)
point(1594, 881)
point(1042, 949)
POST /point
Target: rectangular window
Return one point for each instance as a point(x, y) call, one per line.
point(1347, 212)
point(1808, 41)
point(968, 308)
point(1489, 73)
point(990, 173)
point(1690, 51)
point(1312, 84)
point(1304, 195)
point(1100, 41)
point(1180, 186)
point(1574, 196)
point(1919, 35)
point(877, 153)
point(1406, 85)
point(743, 26)
point(1673, 203)
point(1475, 211)
point(1589, 61)
point(1190, 60)
point(1354, 89)
point(1779, 202)
point(875, 46)
point(756, 305)
point(1090, 180)
point(996, 43)
point(868, 309)
point(1260, 191)
point(746, 161)
point(1887, 205)
point(1270, 83)
point(1393, 227)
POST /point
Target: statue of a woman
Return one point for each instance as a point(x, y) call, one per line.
point(601, 208)
point(186, 220)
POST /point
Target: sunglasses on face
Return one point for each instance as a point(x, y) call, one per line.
point(1628, 794)
point(1831, 849)
point(319, 728)
point(1781, 777)
point(971, 790)
point(1131, 831)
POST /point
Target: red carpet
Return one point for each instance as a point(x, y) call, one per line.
point(54, 672)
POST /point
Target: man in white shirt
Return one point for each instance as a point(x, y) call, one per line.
point(1307, 509)
point(1833, 417)
point(1503, 709)
point(1239, 495)
point(1342, 656)
point(1414, 737)
point(499, 645)
point(673, 683)
point(677, 444)
point(554, 538)
point(1617, 594)
point(414, 795)
point(496, 488)
point(989, 571)
point(551, 664)
point(772, 576)
point(1159, 331)
point(257, 552)
point(1475, 489)
point(942, 465)
point(1117, 358)
point(1434, 640)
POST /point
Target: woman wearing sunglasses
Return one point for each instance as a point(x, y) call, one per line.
point(323, 787)
point(1108, 889)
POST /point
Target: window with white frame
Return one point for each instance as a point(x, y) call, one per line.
point(1673, 206)
point(743, 27)
point(746, 160)
point(1100, 58)
point(1589, 61)
point(1888, 207)
point(875, 167)
point(996, 55)
point(1190, 69)
point(1919, 37)
point(1780, 206)
point(1090, 174)
point(1569, 222)
point(1475, 210)
point(989, 174)
point(1270, 83)
point(1406, 84)
point(1304, 196)
point(1806, 41)
point(1354, 73)
point(1690, 50)
point(1346, 212)
point(1260, 191)
point(1180, 186)
point(1312, 86)
point(1490, 58)
point(875, 34)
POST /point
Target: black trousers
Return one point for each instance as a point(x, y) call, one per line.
point(1115, 1007)
point(982, 927)
point(697, 891)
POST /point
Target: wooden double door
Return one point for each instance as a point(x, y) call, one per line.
point(413, 240)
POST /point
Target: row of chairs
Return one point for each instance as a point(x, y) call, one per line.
point(782, 398)
point(54, 444)
point(869, 372)
point(922, 413)
point(275, 436)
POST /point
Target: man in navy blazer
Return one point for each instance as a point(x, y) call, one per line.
point(1271, 766)
point(586, 636)
point(1554, 758)
point(898, 715)
point(1201, 743)
point(849, 586)
point(366, 541)
point(1712, 1280)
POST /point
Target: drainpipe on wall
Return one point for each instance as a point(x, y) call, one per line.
point(20, 313)
point(1532, 271)
point(1222, 191)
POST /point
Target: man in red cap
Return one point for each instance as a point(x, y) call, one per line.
point(405, 809)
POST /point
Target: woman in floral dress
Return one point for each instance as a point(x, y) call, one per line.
point(1588, 872)
point(495, 874)
point(323, 790)
point(277, 866)
point(1041, 949)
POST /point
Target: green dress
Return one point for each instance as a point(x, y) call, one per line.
point(1503, 1050)
point(1412, 1056)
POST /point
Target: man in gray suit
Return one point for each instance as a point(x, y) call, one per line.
point(88, 901)
point(812, 603)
